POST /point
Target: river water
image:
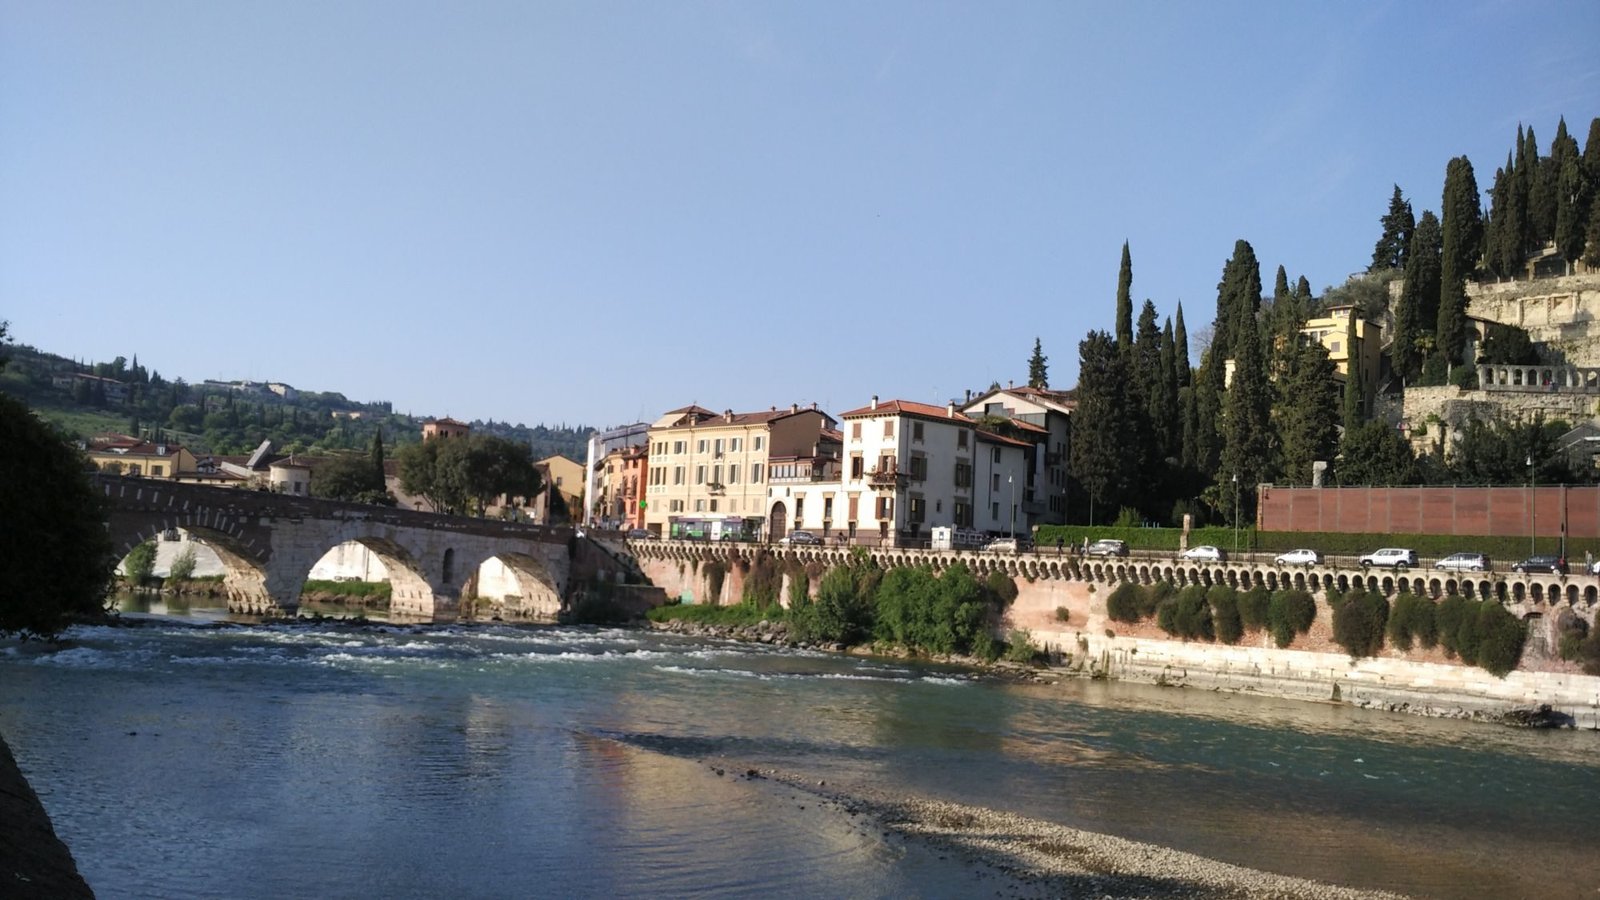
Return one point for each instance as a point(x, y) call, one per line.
point(187, 757)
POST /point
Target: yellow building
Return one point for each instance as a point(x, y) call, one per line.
point(1332, 330)
point(707, 474)
point(564, 477)
point(120, 454)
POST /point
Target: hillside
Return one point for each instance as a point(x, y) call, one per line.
point(229, 419)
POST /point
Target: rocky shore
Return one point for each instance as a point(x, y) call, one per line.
point(33, 861)
point(1034, 858)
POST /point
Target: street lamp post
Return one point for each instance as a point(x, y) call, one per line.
point(1236, 513)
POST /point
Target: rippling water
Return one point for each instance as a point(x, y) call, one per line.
point(185, 759)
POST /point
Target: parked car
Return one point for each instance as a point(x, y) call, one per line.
point(1463, 562)
point(641, 534)
point(1204, 552)
point(800, 537)
point(1547, 565)
point(1594, 567)
point(1391, 558)
point(1107, 547)
point(1002, 545)
point(1298, 558)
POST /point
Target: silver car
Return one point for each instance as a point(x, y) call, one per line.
point(1463, 562)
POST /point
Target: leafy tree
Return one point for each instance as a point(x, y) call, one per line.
point(1500, 452)
point(1390, 251)
point(1102, 430)
point(1125, 301)
point(1463, 236)
point(140, 564)
point(1038, 372)
point(348, 477)
point(1419, 298)
point(182, 568)
point(1375, 454)
point(1508, 345)
point(57, 557)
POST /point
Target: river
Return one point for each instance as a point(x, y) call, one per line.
point(186, 756)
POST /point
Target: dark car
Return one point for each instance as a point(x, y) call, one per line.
point(1544, 565)
point(641, 534)
point(1107, 547)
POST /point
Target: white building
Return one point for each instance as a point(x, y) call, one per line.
point(1044, 418)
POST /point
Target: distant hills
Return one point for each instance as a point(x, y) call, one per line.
point(229, 417)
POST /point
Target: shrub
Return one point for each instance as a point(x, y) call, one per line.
point(1254, 605)
point(1063, 614)
point(1412, 620)
point(1125, 603)
point(1019, 646)
point(985, 647)
point(1589, 653)
point(1358, 623)
point(182, 568)
point(1573, 630)
point(140, 563)
point(1224, 602)
point(799, 589)
point(762, 579)
point(1187, 615)
point(1290, 613)
point(710, 614)
point(1449, 615)
point(1001, 588)
point(841, 612)
point(1500, 639)
point(1150, 598)
point(360, 590)
point(1167, 615)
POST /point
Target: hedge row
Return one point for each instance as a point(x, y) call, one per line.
point(1502, 548)
point(1219, 613)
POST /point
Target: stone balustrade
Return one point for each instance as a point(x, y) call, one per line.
point(1550, 379)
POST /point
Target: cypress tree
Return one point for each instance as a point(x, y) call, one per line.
point(1495, 252)
point(1390, 251)
point(1102, 430)
point(1541, 196)
point(1038, 372)
point(1150, 377)
point(1463, 233)
point(1354, 386)
point(1591, 206)
point(1246, 421)
point(1169, 421)
point(1125, 302)
point(1306, 413)
point(1570, 195)
point(1180, 347)
point(377, 460)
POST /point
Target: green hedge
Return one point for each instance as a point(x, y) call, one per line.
point(347, 588)
point(1502, 549)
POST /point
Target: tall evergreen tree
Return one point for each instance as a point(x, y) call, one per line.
point(1038, 372)
point(1306, 413)
point(1501, 232)
point(1169, 418)
point(1354, 386)
point(1570, 195)
point(1463, 234)
point(1150, 377)
point(1417, 298)
point(1125, 302)
point(1591, 212)
point(377, 459)
point(1284, 323)
point(1390, 251)
point(1180, 347)
point(1246, 420)
point(1541, 196)
point(1102, 430)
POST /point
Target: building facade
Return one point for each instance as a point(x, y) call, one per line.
point(1041, 417)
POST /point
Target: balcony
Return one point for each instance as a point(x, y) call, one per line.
point(887, 478)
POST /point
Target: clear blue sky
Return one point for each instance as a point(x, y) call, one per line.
point(593, 212)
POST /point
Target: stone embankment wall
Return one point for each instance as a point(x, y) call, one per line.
point(1315, 668)
point(1562, 313)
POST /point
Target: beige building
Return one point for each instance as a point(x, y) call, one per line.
point(1332, 330)
point(707, 475)
point(563, 477)
point(445, 428)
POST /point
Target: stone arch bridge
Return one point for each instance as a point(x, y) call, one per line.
point(268, 543)
point(1524, 594)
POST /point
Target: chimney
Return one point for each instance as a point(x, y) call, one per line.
point(794, 408)
point(874, 404)
point(1009, 384)
point(969, 395)
point(813, 404)
point(950, 409)
point(727, 415)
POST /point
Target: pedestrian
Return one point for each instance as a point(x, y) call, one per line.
point(1060, 542)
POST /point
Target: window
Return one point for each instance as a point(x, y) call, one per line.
point(996, 485)
point(919, 467)
point(799, 508)
point(680, 446)
point(855, 431)
point(919, 509)
point(963, 514)
point(717, 447)
point(713, 505)
point(888, 428)
point(677, 474)
point(157, 471)
point(885, 507)
point(676, 506)
point(733, 474)
point(700, 475)
point(827, 509)
point(963, 474)
point(700, 506)
point(716, 474)
point(997, 454)
point(961, 439)
point(700, 446)
point(916, 434)
point(855, 465)
point(854, 505)
point(761, 441)
point(755, 473)
point(735, 445)
point(1333, 347)
point(994, 513)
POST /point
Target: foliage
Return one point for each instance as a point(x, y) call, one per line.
point(1358, 622)
point(710, 614)
point(1186, 615)
point(1102, 430)
point(1419, 299)
point(1001, 587)
point(1498, 452)
point(763, 581)
point(1508, 345)
point(1571, 634)
point(1124, 319)
point(1290, 613)
point(919, 610)
point(1020, 647)
point(140, 563)
point(1306, 412)
point(1225, 618)
point(456, 475)
point(1462, 244)
point(1125, 603)
point(1246, 426)
point(1481, 633)
point(1038, 369)
point(1390, 251)
point(1375, 454)
point(715, 572)
point(376, 590)
point(842, 609)
point(1254, 606)
point(351, 477)
point(182, 568)
point(1411, 620)
point(57, 558)
point(1063, 615)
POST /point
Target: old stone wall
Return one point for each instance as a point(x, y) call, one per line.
point(1313, 668)
point(1562, 313)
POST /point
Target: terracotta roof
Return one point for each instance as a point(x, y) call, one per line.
point(129, 446)
point(907, 408)
point(992, 438)
point(447, 421)
point(1025, 425)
